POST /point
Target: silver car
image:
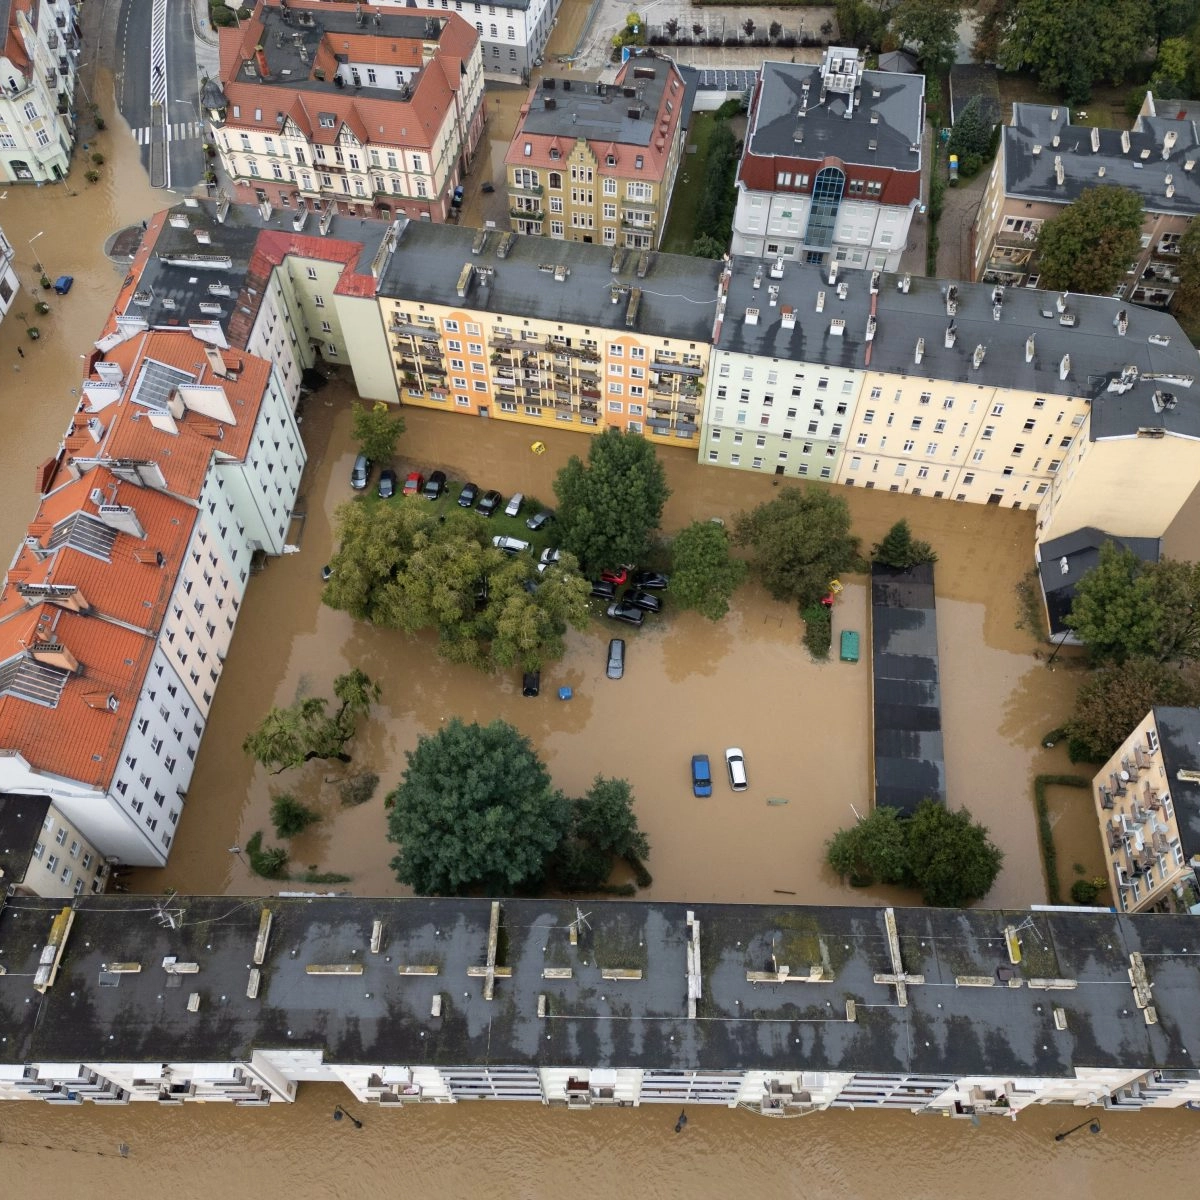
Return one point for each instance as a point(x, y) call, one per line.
point(616, 658)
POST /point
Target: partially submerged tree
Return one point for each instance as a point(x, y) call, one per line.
point(1089, 246)
point(376, 429)
point(704, 573)
point(873, 850)
point(290, 817)
point(603, 828)
point(899, 549)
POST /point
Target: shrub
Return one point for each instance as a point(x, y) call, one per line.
point(98, 158)
point(358, 789)
point(1085, 891)
point(321, 877)
point(270, 863)
point(41, 307)
point(818, 630)
point(222, 15)
point(290, 817)
point(91, 175)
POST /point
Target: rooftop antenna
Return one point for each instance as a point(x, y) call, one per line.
point(581, 922)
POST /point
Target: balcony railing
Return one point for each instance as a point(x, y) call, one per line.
point(535, 189)
point(679, 368)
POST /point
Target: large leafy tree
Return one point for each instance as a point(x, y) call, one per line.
point(1088, 247)
point(1112, 700)
point(1071, 44)
point(475, 809)
point(873, 850)
point(950, 857)
point(603, 828)
point(800, 540)
point(1186, 302)
point(933, 25)
point(704, 573)
point(377, 429)
point(972, 133)
point(608, 507)
point(899, 549)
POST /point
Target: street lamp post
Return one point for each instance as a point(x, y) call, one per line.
point(1092, 1127)
point(36, 262)
point(339, 1112)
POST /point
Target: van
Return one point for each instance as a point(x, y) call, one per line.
point(513, 507)
point(360, 473)
point(735, 764)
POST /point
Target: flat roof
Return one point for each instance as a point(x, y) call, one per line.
point(678, 294)
point(21, 819)
point(909, 309)
point(370, 1013)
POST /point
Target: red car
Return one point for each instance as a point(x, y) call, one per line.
point(414, 483)
point(619, 576)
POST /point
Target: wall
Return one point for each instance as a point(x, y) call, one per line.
point(62, 847)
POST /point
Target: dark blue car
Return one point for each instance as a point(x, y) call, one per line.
point(701, 775)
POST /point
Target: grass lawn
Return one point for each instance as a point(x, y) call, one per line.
point(681, 220)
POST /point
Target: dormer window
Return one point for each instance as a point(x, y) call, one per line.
point(611, 160)
point(638, 162)
point(528, 149)
point(554, 153)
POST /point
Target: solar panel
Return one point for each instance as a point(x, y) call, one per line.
point(155, 383)
point(84, 533)
point(31, 680)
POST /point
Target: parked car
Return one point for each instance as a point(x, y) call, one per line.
point(62, 285)
point(435, 485)
point(540, 520)
point(360, 473)
point(488, 505)
point(735, 764)
point(643, 600)
point(701, 775)
point(414, 483)
point(487, 186)
point(468, 495)
point(652, 581)
point(513, 507)
point(326, 572)
point(549, 556)
point(531, 683)
point(481, 593)
point(387, 483)
point(626, 613)
point(510, 545)
point(603, 590)
point(456, 201)
point(618, 576)
point(616, 658)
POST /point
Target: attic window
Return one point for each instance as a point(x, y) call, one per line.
point(258, 114)
point(611, 161)
point(327, 120)
point(554, 153)
point(528, 149)
point(638, 162)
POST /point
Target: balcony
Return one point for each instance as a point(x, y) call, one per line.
point(423, 331)
point(657, 405)
point(527, 214)
point(677, 368)
point(1016, 237)
point(518, 189)
point(1167, 249)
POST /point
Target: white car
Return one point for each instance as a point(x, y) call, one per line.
point(735, 764)
point(510, 545)
point(513, 507)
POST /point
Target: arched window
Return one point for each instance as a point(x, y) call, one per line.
point(822, 214)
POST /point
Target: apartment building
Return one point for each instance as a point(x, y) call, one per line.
point(1147, 800)
point(512, 36)
point(831, 169)
point(597, 162)
point(181, 463)
point(408, 1001)
point(10, 285)
point(1045, 162)
point(549, 334)
point(42, 40)
point(43, 854)
point(374, 113)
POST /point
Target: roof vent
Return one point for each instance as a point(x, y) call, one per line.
point(1061, 302)
point(837, 327)
point(1169, 139)
point(1170, 190)
point(951, 335)
point(1060, 175)
point(1030, 347)
point(1145, 154)
point(904, 284)
point(1054, 114)
point(1055, 140)
point(1124, 141)
point(1100, 172)
point(919, 352)
point(752, 316)
point(1121, 321)
point(1095, 140)
point(951, 300)
point(1064, 366)
point(1036, 150)
point(874, 116)
point(978, 356)
point(758, 276)
point(773, 293)
point(820, 302)
point(1189, 164)
point(1159, 339)
point(1164, 401)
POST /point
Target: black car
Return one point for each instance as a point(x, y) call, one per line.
point(626, 613)
point(488, 505)
point(387, 483)
point(531, 683)
point(653, 581)
point(603, 590)
point(468, 495)
point(539, 520)
point(643, 600)
point(435, 485)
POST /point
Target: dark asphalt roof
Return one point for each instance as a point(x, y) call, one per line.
point(1179, 736)
point(1143, 168)
point(827, 129)
point(907, 696)
point(21, 820)
point(383, 1017)
point(1080, 551)
point(968, 80)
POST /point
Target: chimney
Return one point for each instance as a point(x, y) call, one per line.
point(787, 317)
point(904, 284)
point(1060, 175)
point(752, 316)
point(260, 57)
point(1030, 346)
point(1170, 190)
point(1121, 321)
point(820, 302)
point(951, 300)
point(977, 357)
point(1064, 367)
point(1124, 141)
point(833, 272)
point(54, 654)
point(951, 335)
point(121, 518)
point(919, 353)
point(1095, 140)
point(1061, 302)
point(1100, 172)
point(875, 282)
point(216, 361)
point(1169, 142)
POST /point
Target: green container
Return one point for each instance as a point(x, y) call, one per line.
point(849, 646)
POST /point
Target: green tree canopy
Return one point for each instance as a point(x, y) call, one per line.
point(608, 507)
point(873, 850)
point(950, 857)
point(704, 573)
point(376, 429)
point(800, 541)
point(972, 132)
point(899, 549)
point(1172, 68)
point(1186, 302)
point(1112, 700)
point(860, 23)
point(933, 26)
point(1089, 246)
point(290, 817)
point(475, 809)
point(603, 828)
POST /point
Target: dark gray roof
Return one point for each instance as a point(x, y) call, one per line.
point(21, 820)
point(1144, 169)
point(382, 1017)
point(1098, 355)
point(1179, 735)
point(599, 112)
point(968, 80)
point(827, 130)
point(678, 294)
point(1080, 551)
point(909, 764)
point(903, 61)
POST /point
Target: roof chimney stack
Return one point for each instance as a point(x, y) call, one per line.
point(1030, 347)
point(1064, 367)
point(1060, 175)
point(1095, 140)
point(919, 353)
point(1169, 139)
point(977, 357)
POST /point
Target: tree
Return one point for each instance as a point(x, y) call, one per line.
point(874, 850)
point(1089, 246)
point(1186, 302)
point(605, 819)
point(706, 246)
point(290, 817)
point(475, 809)
point(714, 213)
point(972, 133)
point(377, 429)
point(671, 25)
point(1172, 67)
point(950, 857)
point(899, 549)
point(704, 573)
point(1071, 44)
point(933, 25)
point(748, 27)
point(860, 23)
point(801, 540)
point(608, 508)
point(1114, 699)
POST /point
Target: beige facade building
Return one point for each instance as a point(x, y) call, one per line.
point(514, 328)
point(1045, 162)
point(596, 162)
point(42, 853)
point(1147, 800)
